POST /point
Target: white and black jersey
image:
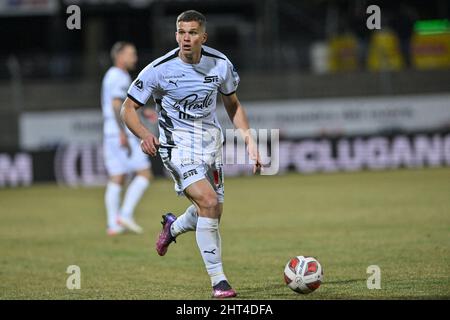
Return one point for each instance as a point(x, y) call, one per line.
point(118, 159)
point(186, 96)
point(114, 86)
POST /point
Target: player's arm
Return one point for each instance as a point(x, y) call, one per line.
point(129, 115)
point(117, 104)
point(239, 118)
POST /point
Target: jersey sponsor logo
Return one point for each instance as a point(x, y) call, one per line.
point(174, 76)
point(209, 79)
point(192, 102)
point(185, 116)
point(139, 84)
point(189, 173)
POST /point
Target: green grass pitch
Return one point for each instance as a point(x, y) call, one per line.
point(398, 220)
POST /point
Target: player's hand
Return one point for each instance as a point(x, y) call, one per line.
point(150, 145)
point(255, 157)
point(124, 141)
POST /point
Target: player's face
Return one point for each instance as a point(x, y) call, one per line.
point(190, 37)
point(129, 56)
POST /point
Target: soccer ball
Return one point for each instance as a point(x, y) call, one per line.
point(303, 274)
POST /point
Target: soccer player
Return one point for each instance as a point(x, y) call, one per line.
point(122, 152)
point(184, 84)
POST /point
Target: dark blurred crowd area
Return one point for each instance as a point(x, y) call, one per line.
point(318, 36)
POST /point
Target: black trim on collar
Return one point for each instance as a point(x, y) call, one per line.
point(172, 56)
point(205, 53)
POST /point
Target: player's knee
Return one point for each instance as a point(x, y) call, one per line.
point(208, 201)
point(145, 173)
point(118, 179)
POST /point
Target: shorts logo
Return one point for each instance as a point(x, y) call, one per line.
point(209, 79)
point(189, 173)
point(213, 251)
point(139, 84)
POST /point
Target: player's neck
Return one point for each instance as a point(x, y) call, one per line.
point(121, 66)
point(193, 58)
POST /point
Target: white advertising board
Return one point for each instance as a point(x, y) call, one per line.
point(294, 119)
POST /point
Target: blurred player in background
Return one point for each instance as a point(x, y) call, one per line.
point(122, 153)
point(184, 84)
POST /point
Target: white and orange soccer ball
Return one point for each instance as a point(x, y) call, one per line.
point(303, 274)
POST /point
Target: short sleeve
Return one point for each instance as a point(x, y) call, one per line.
point(119, 88)
point(141, 89)
point(231, 80)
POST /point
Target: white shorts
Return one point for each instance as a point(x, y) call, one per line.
point(185, 172)
point(117, 159)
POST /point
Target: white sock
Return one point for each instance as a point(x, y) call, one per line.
point(112, 202)
point(134, 193)
point(186, 222)
point(208, 240)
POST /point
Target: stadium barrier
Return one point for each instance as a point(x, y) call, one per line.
point(82, 164)
point(316, 135)
point(295, 118)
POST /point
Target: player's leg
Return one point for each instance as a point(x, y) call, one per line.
point(203, 185)
point(114, 158)
point(112, 203)
point(206, 199)
point(185, 222)
point(183, 175)
point(134, 193)
point(139, 163)
point(188, 220)
point(173, 227)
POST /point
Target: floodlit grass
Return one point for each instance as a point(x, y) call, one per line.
point(398, 220)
